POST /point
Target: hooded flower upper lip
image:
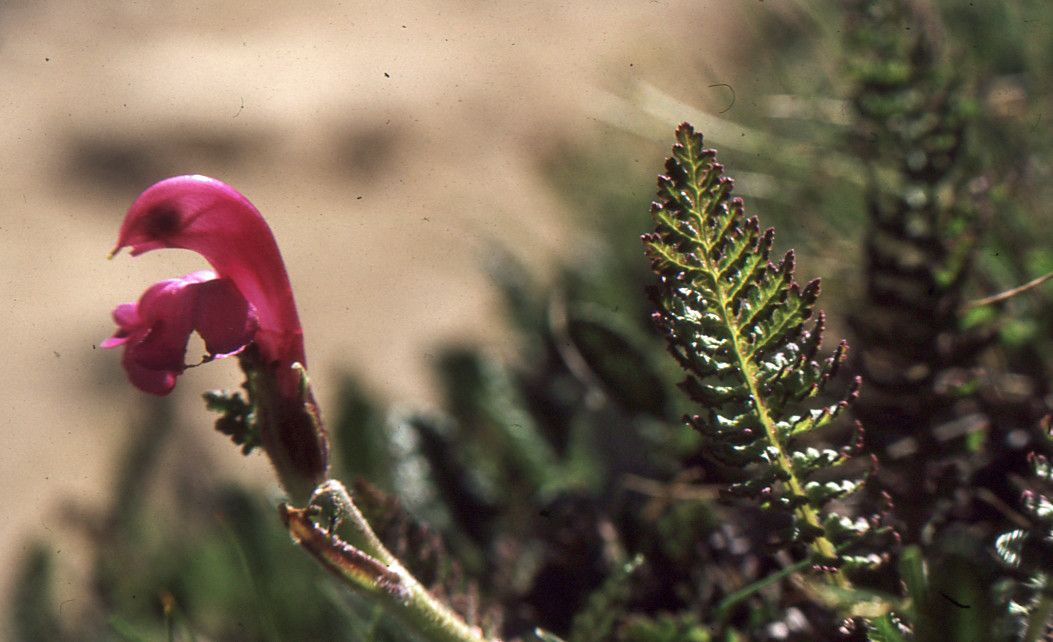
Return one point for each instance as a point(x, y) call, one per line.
point(155, 330)
point(213, 219)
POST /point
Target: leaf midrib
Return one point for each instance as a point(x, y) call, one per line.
point(747, 368)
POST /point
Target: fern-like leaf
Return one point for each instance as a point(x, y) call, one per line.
point(911, 126)
point(736, 322)
point(1028, 552)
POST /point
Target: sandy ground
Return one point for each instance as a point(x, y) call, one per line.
point(387, 143)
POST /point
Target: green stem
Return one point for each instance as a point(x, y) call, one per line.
point(725, 606)
point(732, 599)
point(375, 573)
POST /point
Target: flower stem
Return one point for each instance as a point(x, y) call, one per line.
point(369, 568)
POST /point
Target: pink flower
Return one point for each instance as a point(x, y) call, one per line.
point(213, 219)
point(247, 302)
point(155, 330)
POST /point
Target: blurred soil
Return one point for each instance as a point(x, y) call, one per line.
point(390, 145)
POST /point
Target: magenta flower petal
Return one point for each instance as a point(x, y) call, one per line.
point(126, 314)
point(166, 317)
point(113, 342)
point(156, 382)
point(224, 319)
point(155, 330)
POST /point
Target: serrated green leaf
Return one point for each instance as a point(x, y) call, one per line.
point(736, 323)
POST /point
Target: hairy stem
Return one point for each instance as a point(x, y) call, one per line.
point(374, 572)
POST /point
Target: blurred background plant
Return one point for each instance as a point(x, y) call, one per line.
point(903, 149)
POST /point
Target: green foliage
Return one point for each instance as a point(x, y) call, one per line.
point(596, 621)
point(736, 323)
point(1028, 551)
point(359, 436)
point(32, 604)
point(948, 594)
point(483, 394)
point(1012, 546)
point(236, 418)
point(911, 126)
point(886, 628)
point(663, 628)
point(175, 552)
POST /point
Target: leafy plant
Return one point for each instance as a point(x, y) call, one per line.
point(1027, 551)
point(912, 121)
point(557, 495)
point(736, 323)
